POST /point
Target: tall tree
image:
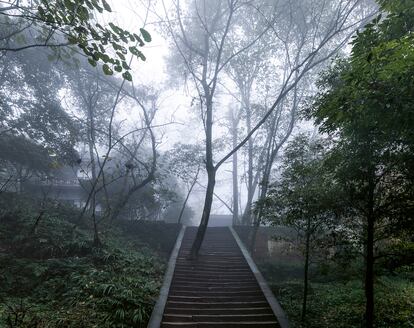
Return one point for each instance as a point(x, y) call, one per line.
point(97, 100)
point(234, 118)
point(304, 199)
point(201, 40)
point(245, 70)
point(367, 102)
point(290, 41)
point(30, 105)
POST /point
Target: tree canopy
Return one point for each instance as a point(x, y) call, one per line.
point(61, 23)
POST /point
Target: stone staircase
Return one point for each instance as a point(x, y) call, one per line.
point(218, 289)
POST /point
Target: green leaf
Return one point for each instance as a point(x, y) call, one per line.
point(127, 76)
point(92, 62)
point(107, 70)
point(41, 11)
point(83, 13)
point(89, 4)
point(118, 68)
point(139, 40)
point(98, 8)
point(125, 65)
point(69, 5)
point(142, 56)
point(120, 55)
point(114, 27)
point(145, 35)
point(106, 6)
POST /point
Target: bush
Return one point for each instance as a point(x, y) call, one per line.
point(55, 277)
point(336, 292)
point(342, 305)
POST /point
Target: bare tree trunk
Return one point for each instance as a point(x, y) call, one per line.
point(369, 260)
point(235, 191)
point(205, 216)
point(211, 174)
point(274, 150)
point(250, 191)
point(257, 175)
point(96, 239)
point(247, 213)
point(247, 208)
point(369, 275)
point(235, 172)
point(4, 185)
point(188, 196)
point(102, 165)
point(91, 146)
point(306, 271)
point(122, 202)
point(263, 188)
point(37, 221)
point(151, 173)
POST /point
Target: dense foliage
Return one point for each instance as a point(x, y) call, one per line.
point(52, 275)
point(341, 303)
point(336, 292)
point(60, 24)
point(304, 199)
point(362, 196)
point(85, 178)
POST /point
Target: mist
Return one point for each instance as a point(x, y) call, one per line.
point(206, 163)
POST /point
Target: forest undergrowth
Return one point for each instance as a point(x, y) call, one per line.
point(338, 302)
point(53, 276)
point(336, 293)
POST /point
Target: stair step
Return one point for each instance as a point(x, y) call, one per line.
point(217, 317)
point(194, 289)
point(212, 260)
point(215, 283)
point(199, 293)
point(214, 268)
point(198, 304)
point(212, 286)
point(209, 278)
point(217, 290)
point(214, 275)
point(209, 299)
point(216, 272)
point(239, 324)
point(217, 311)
